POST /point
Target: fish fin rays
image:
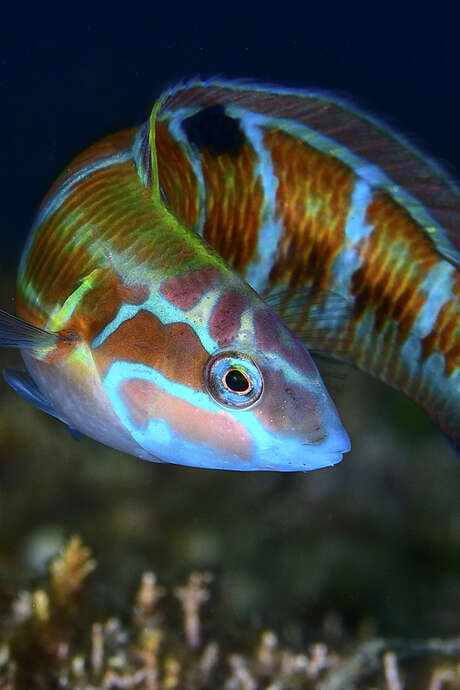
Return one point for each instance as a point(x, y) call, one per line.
point(156, 187)
point(317, 317)
point(24, 385)
point(14, 332)
point(334, 374)
point(371, 149)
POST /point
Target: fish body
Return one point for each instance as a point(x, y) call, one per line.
point(146, 340)
point(234, 230)
point(304, 195)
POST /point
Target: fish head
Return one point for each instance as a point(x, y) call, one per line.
point(269, 384)
point(242, 393)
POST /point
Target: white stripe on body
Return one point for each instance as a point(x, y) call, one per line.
point(271, 230)
point(437, 286)
point(349, 260)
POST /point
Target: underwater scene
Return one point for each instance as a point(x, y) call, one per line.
point(230, 344)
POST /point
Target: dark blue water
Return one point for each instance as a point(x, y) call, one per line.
point(67, 77)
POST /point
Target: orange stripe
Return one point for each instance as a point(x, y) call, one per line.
point(313, 200)
point(176, 177)
point(395, 259)
point(444, 335)
point(233, 205)
point(116, 207)
point(132, 342)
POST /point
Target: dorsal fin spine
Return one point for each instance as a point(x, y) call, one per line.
point(156, 193)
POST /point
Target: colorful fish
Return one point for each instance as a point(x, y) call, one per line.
point(151, 288)
point(136, 333)
point(349, 232)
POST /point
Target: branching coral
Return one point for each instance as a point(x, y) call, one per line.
point(49, 640)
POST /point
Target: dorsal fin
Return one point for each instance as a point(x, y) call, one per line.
point(156, 191)
point(376, 153)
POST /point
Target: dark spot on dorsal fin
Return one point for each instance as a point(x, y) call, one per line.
point(214, 130)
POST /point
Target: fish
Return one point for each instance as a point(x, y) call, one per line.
point(135, 332)
point(343, 233)
point(341, 225)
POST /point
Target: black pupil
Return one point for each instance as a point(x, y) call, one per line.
point(236, 381)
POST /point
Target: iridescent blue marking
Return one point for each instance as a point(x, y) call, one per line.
point(167, 313)
point(438, 286)
point(270, 451)
point(197, 318)
point(356, 229)
point(138, 144)
point(271, 229)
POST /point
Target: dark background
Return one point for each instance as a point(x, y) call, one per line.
point(71, 73)
point(375, 539)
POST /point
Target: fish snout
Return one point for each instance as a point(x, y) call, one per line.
point(299, 416)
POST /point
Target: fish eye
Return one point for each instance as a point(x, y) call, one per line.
point(233, 380)
point(237, 381)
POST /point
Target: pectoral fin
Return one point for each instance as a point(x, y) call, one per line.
point(27, 389)
point(15, 332)
point(317, 317)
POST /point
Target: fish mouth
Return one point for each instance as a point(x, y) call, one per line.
point(343, 448)
point(314, 455)
point(327, 460)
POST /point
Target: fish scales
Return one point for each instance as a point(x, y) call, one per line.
point(359, 213)
point(318, 189)
point(98, 224)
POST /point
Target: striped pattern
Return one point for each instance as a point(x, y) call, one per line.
point(380, 155)
point(361, 214)
point(311, 201)
point(178, 179)
point(115, 261)
point(80, 230)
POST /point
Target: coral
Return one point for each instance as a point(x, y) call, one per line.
point(49, 639)
point(69, 571)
